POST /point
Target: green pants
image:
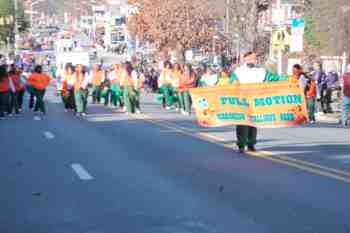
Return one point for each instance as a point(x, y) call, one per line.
point(246, 136)
point(81, 100)
point(311, 107)
point(116, 96)
point(96, 94)
point(39, 104)
point(185, 101)
point(168, 92)
point(131, 99)
point(4, 103)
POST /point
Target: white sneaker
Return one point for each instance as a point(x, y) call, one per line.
point(183, 112)
point(138, 111)
point(186, 114)
point(83, 114)
point(124, 109)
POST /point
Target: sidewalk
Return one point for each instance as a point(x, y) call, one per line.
point(332, 118)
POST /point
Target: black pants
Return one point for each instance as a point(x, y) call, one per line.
point(326, 99)
point(39, 103)
point(13, 103)
point(19, 97)
point(246, 136)
point(4, 103)
point(31, 99)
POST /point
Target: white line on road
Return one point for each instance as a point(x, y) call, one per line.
point(339, 157)
point(49, 135)
point(81, 172)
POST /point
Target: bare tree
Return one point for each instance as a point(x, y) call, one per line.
point(244, 15)
point(174, 24)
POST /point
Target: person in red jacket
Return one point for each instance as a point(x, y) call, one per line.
point(311, 95)
point(18, 89)
point(4, 91)
point(346, 98)
point(39, 82)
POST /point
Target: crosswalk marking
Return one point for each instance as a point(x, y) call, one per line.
point(81, 172)
point(49, 135)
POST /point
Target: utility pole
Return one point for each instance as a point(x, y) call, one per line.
point(16, 32)
point(227, 21)
point(279, 26)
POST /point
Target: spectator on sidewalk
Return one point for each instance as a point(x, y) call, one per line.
point(311, 94)
point(318, 75)
point(346, 97)
point(328, 85)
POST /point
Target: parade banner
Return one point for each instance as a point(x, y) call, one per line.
point(265, 105)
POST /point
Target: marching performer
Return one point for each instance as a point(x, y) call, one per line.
point(67, 89)
point(131, 86)
point(39, 82)
point(248, 73)
point(18, 89)
point(4, 91)
point(208, 78)
point(164, 83)
point(187, 81)
point(116, 92)
point(80, 90)
point(175, 82)
point(97, 78)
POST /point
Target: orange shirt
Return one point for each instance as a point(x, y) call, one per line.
point(4, 85)
point(311, 89)
point(97, 78)
point(187, 82)
point(79, 79)
point(39, 81)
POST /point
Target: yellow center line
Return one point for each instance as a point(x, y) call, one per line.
point(267, 155)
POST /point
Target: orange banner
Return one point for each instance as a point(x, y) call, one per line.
point(265, 105)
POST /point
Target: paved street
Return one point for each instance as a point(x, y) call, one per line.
point(160, 173)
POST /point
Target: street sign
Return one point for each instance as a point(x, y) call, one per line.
point(280, 39)
point(297, 42)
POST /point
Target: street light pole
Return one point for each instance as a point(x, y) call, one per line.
point(32, 13)
point(16, 26)
point(280, 52)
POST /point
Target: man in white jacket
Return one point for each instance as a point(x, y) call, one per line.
point(248, 73)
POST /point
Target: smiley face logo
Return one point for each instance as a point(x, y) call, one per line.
point(203, 103)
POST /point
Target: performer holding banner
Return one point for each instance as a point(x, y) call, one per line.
point(248, 73)
point(250, 103)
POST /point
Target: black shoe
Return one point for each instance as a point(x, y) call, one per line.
point(241, 150)
point(251, 149)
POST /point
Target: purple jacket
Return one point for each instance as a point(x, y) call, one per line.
point(320, 77)
point(332, 80)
